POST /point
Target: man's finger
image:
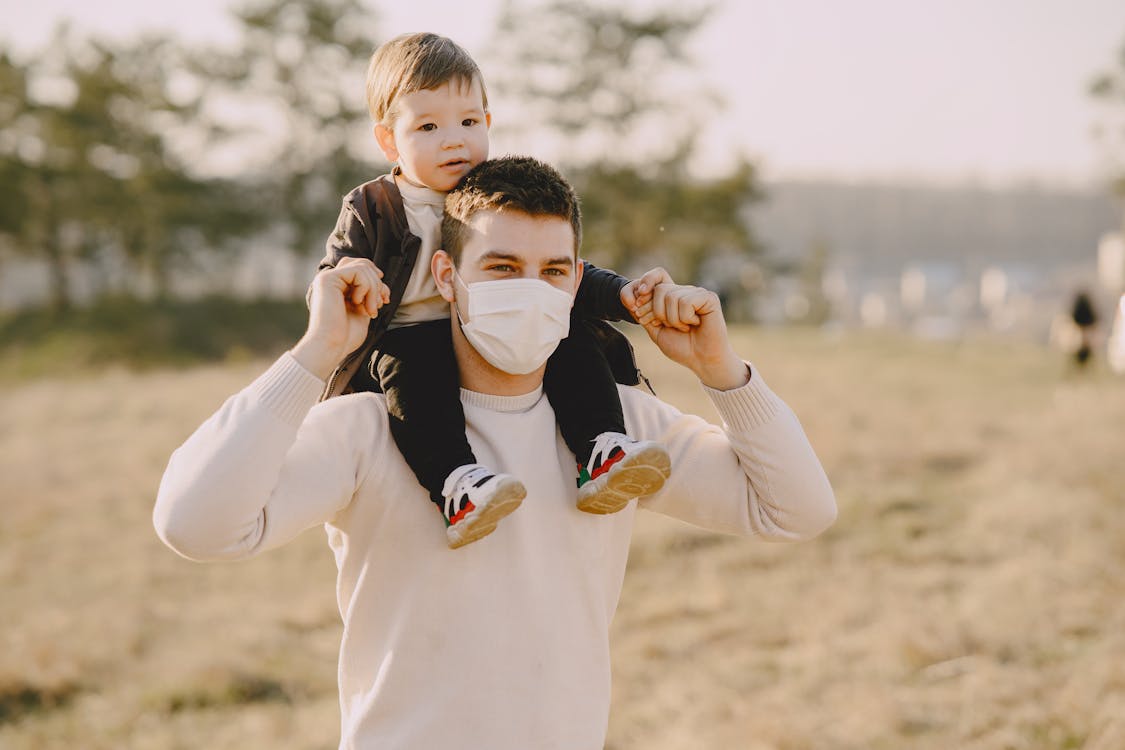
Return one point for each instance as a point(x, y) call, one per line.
point(688, 312)
point(658, 296)
point(357, 263)
point(671, 309)
point(644, 313)
point(688, 317)
point(652, 326)
point(651, 279)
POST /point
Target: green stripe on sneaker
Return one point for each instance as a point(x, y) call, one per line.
point(583, 476)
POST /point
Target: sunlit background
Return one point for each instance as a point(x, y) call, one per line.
point(939, 169)
point(898, 202)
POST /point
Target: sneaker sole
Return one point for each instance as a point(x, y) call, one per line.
point(508, 497)
point(640, 475)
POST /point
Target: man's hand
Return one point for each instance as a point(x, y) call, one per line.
point(344, 300)
point(639, 291)
point(686, 323)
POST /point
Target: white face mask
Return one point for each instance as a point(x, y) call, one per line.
point(515, 324)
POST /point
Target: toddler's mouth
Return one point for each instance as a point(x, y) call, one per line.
point(455, 163)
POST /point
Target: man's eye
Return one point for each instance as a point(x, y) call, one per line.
point(502, 268)
point(554, 272)
point(427, 127)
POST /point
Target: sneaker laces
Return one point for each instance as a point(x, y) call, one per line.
point(604, 446)
point(460, 481)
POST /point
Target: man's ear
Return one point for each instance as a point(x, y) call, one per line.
point(441, 266)
point(386, 139)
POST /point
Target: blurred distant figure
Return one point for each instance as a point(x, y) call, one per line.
point(1085, 318)
point(1115, 347)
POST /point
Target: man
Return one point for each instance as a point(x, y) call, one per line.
point(502, 644)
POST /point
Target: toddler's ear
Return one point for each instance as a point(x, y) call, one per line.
point(386, 139)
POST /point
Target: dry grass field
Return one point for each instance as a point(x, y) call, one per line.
point(971, 595)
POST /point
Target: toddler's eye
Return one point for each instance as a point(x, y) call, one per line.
point(468, 122)
point(427, 127)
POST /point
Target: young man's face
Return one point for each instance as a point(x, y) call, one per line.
point(507, 245)
point(438, 134)
point(514, 245)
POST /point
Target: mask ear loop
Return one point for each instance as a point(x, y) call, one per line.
point(456, 307)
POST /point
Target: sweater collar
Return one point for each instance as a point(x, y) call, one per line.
point(508, 404)
point(416, 193)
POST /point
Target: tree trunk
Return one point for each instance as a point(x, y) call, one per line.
point(57, 267)
point(59, 299)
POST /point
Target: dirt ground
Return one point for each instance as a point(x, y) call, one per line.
point(971, 595)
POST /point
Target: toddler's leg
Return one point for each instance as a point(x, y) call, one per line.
point(612, 468)
point(418, 373)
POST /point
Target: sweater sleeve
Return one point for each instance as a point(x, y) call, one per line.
point(599, 294)
point(263, 468)
point(756, 475)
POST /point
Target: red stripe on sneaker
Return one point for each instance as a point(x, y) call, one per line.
point(606, 466)
point(469, 508)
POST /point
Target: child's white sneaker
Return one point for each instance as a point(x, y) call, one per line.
point(621, 469)
point(476, 499)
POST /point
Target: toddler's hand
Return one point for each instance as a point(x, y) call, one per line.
point(637, 294)
point(366, 293)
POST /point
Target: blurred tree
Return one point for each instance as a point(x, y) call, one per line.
point(87, 172)
point(15, 173)
point(164, 211)
point(592, 78)
point(633, 214)
point(298, 73)
point(48, 178)
point(1109, 88)
point(613, 94)
point(812, 270)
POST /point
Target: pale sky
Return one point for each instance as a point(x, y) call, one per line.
point(993, 90)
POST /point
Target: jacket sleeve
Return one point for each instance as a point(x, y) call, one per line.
point(757, 475)
point(351, 238)
point(263, 468)
point(599, 294)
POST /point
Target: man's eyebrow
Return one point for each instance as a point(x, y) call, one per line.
point(562, 260)
point(498, 255)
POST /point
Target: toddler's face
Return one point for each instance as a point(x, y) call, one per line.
point(438, 134)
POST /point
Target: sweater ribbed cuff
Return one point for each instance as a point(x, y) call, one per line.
point(288, 390)
point(748, 407)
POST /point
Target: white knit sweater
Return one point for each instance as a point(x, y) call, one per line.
point(502, 644)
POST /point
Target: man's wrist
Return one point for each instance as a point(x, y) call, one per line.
point(725, 375)
point(315, 358)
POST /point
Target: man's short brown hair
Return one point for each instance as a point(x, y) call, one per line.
point(510, 183)
point(416, 62)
